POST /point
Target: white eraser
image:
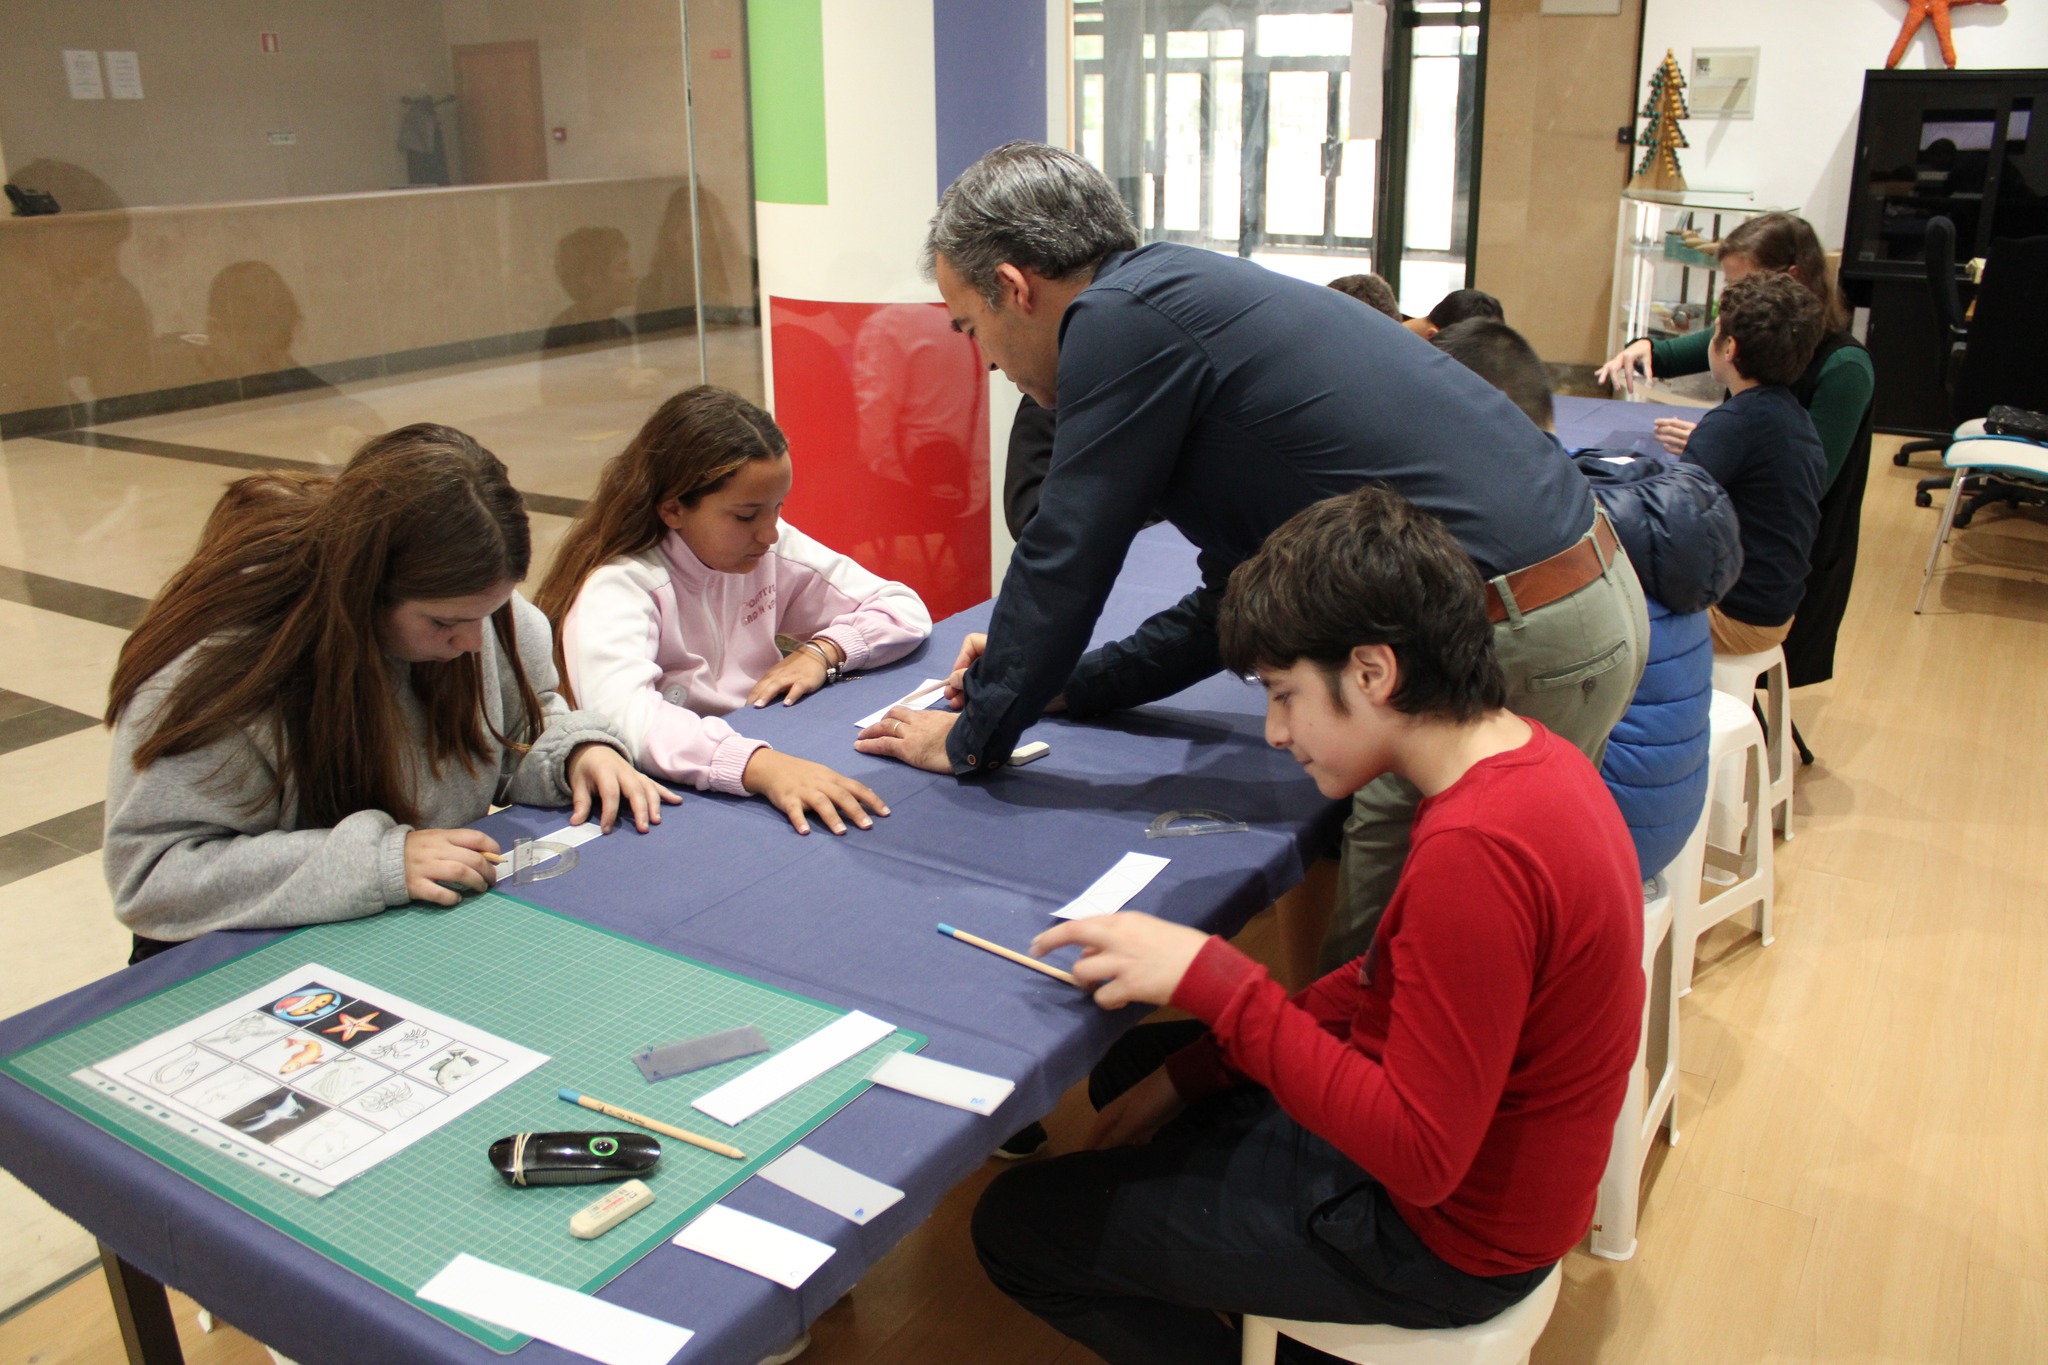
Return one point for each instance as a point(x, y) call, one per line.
point(601, 1216)
point(1028, 753)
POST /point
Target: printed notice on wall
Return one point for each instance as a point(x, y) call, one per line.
point(124, 75)
point(82, 73)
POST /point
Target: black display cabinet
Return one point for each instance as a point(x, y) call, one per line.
point(1956, 143)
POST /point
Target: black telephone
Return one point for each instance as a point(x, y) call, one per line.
point(30, 203)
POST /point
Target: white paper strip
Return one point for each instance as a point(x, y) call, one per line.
point(975, 1091)
point(1368, 63)
point(910, 699)
point(754, 1244)
point(798, 1064)
point(818, 1178)
point(562, 1317)
point(1115, 887)
point(568, 836)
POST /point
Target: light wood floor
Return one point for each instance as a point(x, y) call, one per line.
point(1863, 1168)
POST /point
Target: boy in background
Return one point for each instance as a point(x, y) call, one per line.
point(1761, 446)
point(1372, 291)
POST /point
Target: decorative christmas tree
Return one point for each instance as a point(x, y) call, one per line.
point(1662, 138)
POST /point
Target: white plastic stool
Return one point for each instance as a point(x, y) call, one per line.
point(1503, 1340)
point(1652, 1100)
point(1737, 746)
point(1736, 674)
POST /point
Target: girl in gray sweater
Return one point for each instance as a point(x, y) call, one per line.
point(342, 677)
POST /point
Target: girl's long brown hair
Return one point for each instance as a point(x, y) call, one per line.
point(287, 598)
point(691, 446)
point(1782, 241)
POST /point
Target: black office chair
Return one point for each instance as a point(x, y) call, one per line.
point(2004, 361)
point(1951, 334)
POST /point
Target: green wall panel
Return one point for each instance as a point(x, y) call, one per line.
point(786, 63)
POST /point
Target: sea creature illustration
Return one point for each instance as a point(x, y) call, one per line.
point(392, 1101)
point(176, 1069)
point(302, 1056)
point(335, 1083)
point(453, 1069)
point(303, 1006)
point(249, 1026)
point(287, 1108)
point(349, 1025)
point(397, 1047)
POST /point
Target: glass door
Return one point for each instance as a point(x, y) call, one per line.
point(1437, 49)
point(1227, 126)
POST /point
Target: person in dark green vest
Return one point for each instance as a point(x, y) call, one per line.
point(1836, 392)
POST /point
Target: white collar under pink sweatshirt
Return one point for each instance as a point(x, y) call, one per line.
point(661, 646)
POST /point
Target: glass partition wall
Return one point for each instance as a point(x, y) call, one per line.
point(1227, 126)
point(276, 231)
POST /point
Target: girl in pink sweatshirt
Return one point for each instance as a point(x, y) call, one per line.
point(668, 592)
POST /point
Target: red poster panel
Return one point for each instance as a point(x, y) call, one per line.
point(886, 410)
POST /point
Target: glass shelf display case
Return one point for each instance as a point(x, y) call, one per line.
point(1667, 270)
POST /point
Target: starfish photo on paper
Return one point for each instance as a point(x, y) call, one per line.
point(349, 1025)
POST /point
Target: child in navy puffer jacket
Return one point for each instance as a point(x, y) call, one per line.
point(1681, 534)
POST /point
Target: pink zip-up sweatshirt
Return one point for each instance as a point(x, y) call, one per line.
point(661, 646)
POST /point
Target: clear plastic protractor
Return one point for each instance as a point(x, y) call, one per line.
point(1176, 824)
point(536, 860)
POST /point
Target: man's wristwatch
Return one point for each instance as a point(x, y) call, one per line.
point(832, 674)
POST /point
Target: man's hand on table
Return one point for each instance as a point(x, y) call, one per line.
point(914, 737)
point(1126, 957)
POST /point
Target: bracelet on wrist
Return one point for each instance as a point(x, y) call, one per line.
point(825, 658)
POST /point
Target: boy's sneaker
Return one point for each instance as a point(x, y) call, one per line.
point(1023, 1144)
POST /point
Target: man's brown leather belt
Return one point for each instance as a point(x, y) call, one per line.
point(1561, 575)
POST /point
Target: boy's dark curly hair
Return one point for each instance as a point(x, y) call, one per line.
point(1775, 323)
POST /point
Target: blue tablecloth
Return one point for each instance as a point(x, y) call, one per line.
point(849, 920)
point(1604, 424)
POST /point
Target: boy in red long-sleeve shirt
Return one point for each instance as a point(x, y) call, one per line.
point(1417, 1137)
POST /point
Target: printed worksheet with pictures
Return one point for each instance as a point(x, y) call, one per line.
point(316, 1073)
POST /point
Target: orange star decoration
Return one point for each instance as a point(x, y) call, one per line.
point(1916, 11)
point(349, 1025)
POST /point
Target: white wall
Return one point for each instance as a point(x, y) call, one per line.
point(1796, 152)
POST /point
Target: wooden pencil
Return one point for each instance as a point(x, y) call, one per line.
point(653, 1125)
point(1019, 958)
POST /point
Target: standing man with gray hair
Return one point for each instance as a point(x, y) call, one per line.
point(1226, 398)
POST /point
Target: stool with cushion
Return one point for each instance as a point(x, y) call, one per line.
point(1737, 674)
point(1503, 1340)
point(1739, 767)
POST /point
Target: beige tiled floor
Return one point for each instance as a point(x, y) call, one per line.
point(1863, 1171)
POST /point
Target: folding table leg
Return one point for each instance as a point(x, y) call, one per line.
point(144, 1312)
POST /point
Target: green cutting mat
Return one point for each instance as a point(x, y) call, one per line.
point(587, 998)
